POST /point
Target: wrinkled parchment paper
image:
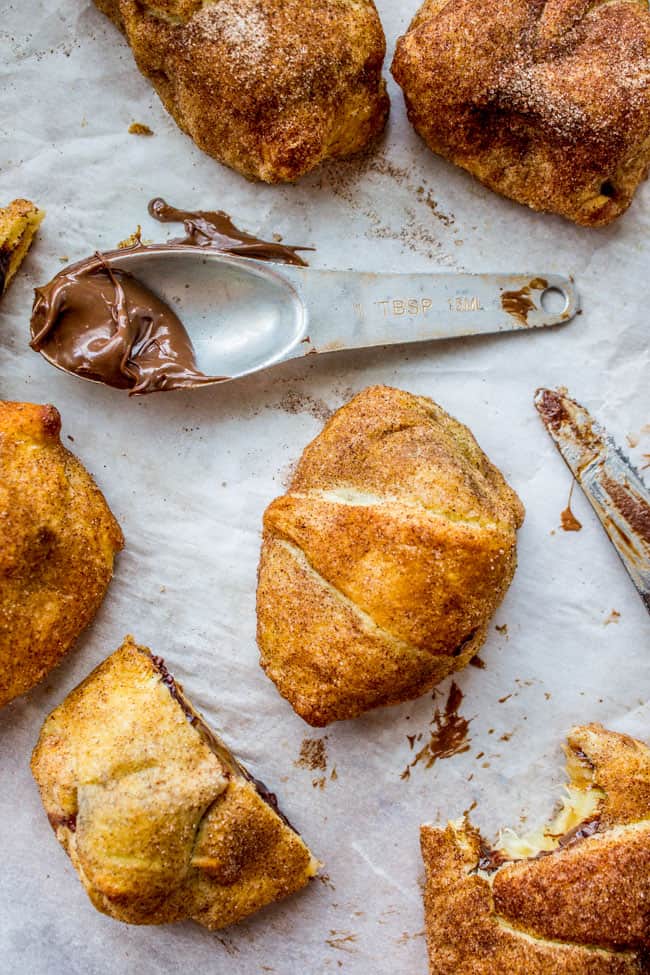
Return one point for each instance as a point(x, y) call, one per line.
point(188, 475)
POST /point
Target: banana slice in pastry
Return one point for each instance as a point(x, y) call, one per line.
point(571, 899)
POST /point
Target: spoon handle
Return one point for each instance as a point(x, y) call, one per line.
point(352, 309)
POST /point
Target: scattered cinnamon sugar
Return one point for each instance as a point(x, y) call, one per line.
point(405, 937)
point(613, 617)
point(138, 128)
point(477, 661)
point(449, 736)
point(341, 940)
point(352, 180)
point(295, 402)
point(313, 754)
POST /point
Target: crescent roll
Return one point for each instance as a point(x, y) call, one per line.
point(58, 540)
point(160, 820)
point(545, 102)
point(271, 88)
point(569, 900)
point(384, 562)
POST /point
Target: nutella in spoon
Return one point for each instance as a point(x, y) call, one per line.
point(104, 324)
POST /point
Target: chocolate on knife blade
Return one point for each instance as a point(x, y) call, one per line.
point(613, 487)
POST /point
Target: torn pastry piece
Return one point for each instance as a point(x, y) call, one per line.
point(571, 899)
point(383, 563)
point(271, 88)
point(160, 820)
point(546, 103)
point(18, 225)
point(58, 541)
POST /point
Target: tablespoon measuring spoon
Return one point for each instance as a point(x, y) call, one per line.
point(244, 315)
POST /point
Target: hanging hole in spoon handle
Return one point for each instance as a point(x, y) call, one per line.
point(554, 300)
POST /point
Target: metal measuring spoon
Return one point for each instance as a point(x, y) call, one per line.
point(244, 315)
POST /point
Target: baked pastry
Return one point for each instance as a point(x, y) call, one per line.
point(569, 900)
point(159, 819)
point(18, 225)
point(547, 103)
point(383, 563)
point(271, 88)
point(58, 540)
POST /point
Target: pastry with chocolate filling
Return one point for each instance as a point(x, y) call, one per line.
point(271, 88)
point(160, 820)
point(383, 563)
point(18, 225)
point(570, 899)
point(546, 103)
point(58, 540)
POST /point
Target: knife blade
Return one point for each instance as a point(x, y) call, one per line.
point(613, 487)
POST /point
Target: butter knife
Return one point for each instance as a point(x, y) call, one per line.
point(613, 487)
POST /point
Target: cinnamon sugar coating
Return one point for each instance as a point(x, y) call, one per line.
point(545, 102)
point(271, 88)
point(156, 814)
point(58, 540)
point(384, 562)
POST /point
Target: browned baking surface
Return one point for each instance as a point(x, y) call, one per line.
point(58, 540)
point(157, 817)
point(581, 909)
point(382, 565)
point(268, 87)
point(545, 102)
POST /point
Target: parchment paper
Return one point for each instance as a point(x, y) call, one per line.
point(188, 475)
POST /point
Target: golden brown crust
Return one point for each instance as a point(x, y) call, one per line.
point(158, 819)
point(18, 225)
point(622, 769)
point(271, 88)
point(546, 103)
point(58, 540)
point(582, 908)
point(383, 563)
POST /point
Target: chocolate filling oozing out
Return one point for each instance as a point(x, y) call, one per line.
point(214, 743)
point(492, 860)
point(5, 260)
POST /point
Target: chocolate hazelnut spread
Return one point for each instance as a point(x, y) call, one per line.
point(104, 324)
point(4, 268)
point(214, 228)
point(492, 860)
point(519, 303)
